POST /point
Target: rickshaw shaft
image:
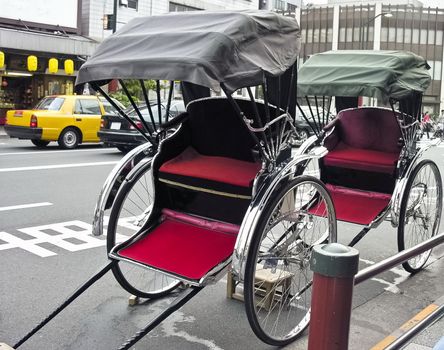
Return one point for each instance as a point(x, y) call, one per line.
point(175, 305)
point(68, 301)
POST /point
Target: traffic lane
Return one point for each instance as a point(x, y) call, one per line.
point(72, 193)
point(9, 161)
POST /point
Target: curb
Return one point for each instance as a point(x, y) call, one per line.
point(407, 326)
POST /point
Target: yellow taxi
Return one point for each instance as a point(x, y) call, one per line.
point(67, 119)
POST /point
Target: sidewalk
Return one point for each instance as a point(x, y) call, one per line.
point(378, 319)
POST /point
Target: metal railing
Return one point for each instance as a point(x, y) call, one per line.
point(334, 266)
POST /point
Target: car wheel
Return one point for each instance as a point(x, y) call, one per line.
point(124, 149)
point(69, 138)
point(40, 143)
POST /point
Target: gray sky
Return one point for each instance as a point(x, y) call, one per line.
point(427, 3)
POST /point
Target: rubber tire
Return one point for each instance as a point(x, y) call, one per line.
point(67, 143)
point(403, 210)
point(40, 143)
point(124, 149)
point(116, 208)
point(250, 266)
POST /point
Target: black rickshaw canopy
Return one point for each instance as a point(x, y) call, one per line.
point(237, 49)
point(350, 73)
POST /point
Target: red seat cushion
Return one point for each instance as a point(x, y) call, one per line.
point(344, 156)
point(355, 206)
point(191, 164)
point(183, 245)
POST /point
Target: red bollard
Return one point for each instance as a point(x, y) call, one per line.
point(334, 267)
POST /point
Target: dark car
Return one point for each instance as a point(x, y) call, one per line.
point(304, 128)
point(116, 131)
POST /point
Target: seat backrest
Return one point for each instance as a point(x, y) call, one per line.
point(369, 128)
point(216, 129)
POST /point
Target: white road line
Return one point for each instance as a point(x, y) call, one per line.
point(58, 166)
point(25, 206)
point(70, 151)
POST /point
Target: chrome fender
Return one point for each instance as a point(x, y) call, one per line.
point(254, 211)
point(113, 183)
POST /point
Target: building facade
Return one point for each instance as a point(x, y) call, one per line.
point(67, 30)
point(376, 25)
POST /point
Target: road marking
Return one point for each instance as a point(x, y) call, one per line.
point(72, 236)
point(25, 206)
point(58, 166)
point(61, 151)
point(414, 321)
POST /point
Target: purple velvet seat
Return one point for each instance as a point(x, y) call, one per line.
point(365, 139)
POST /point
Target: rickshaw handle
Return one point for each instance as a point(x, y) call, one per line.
point(68, 301)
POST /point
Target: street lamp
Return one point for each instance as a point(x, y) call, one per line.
point(366, 24)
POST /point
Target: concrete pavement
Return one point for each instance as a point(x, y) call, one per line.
point(374, 323)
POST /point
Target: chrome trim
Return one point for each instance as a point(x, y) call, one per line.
point(211, 277)
point(254, 211)
point(126, 164)
point(401, 183)
point(306, 145)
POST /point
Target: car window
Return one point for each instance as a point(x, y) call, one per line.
point(109, 109)
point(87, 106)
point(50, 104)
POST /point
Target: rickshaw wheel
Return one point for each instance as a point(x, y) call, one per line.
point(420, 211)
point(278, 278)
point(129, 213)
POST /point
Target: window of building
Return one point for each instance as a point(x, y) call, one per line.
point(323, 35)
point(431, 38)
point(435, 69)
point(349, 34)
point(181, 8)
point(439, 37)
point(391, 34)
point(407, 35)
point(309, 35)
point(423, 37)
point(415, 36)
point(303, 35)
point(400, 35)
point(341, 34)
point(316, 35)
point(132, 4)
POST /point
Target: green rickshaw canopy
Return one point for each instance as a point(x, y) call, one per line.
point(380, 74)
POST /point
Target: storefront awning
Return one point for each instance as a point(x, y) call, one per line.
point(31, 41)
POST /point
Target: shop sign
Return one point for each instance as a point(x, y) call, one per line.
point(53, 65)
point(2, 59)
point(32, 63)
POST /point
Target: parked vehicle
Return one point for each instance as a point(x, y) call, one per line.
point(116, 131)
point(305, 127)
point(67, 119)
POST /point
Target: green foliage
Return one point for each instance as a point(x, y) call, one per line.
point(134, 89)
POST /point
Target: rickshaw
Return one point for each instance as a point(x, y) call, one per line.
point(221, 187)
point(375, 169)
point(217, 184)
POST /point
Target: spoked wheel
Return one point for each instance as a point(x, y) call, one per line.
point(420, 211)
point(129, 213)
point(278, 278)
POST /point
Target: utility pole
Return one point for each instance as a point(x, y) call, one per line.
point(115, 16)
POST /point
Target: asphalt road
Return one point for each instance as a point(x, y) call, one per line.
point(48, 193)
